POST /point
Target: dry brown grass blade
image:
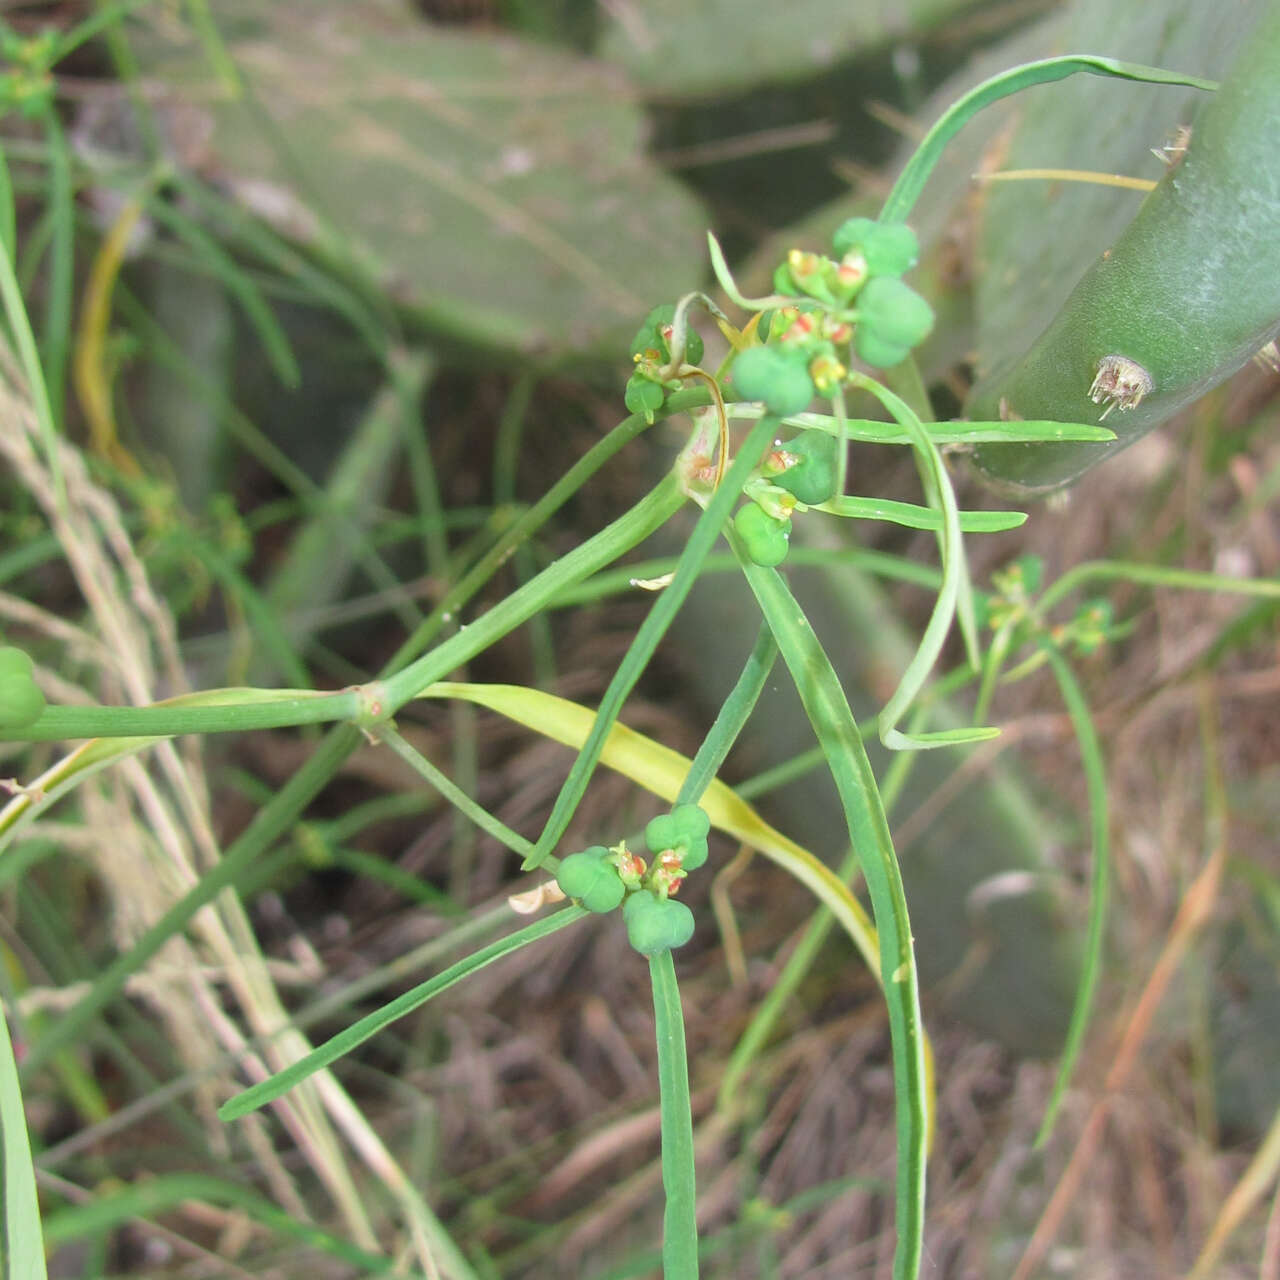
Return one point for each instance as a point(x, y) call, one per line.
point(1244, 1195)
point(153, 837)
point(1193, 913)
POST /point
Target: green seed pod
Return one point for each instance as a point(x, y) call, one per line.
point(655, 925)
point(781, 381)
point(692, 821)
point(684, 831)
point(813, 478)
point(592, 879)
point(643, 396)
point(21, 701)
point(765, 538)
point(889, 248)
point(1187, 294)
point(873, 350)
point(894, 312)
point(15, 662)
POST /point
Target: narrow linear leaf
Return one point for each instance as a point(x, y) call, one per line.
point(953, 596)
point(873, 431)
point(733, 715)
point(23, 1244)
point(25, 340)
point(652, 629)
point(679, 1222)
point(62, 254)
point(8, 215)
point(159, 1194)
point(828, 711)
point(902, 198)
point(1020, 431)
point(917, 517)
point(268, 1090)
point(1095, 774)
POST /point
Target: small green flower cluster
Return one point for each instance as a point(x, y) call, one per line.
point(1016, 586)
point(602, 879)
point(29, 87)
point(651, 353)
point(856, 299)
point(21, 701)
point(1009, 607)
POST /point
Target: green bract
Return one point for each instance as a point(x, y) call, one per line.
point(813, 478)
point(889, 248)
point(780, 381)
point(590, 877)
point(765, 538)
point(21, 701)
point(644, 396)
point(655, 925)
point(683, 831)
point(782, 281)
point(894, 312)
point(649, 337)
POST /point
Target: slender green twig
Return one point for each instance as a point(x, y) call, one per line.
point(679, 1221)
point(906, 191)
point(647, 638)
point(828, 711)
point(732, 716)
point(1095, 774)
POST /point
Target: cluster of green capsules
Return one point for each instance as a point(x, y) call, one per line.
point(854, 303)
point(603, 879)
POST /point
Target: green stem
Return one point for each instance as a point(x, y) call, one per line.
point(452, 792)
point(1151, 576)
point(269, 709)
point(732, 716)
point(528, 524)
point(357, 1033)
point(1095, 774)
point(654, 627)
point(630, 528)
point(828, 711)
point(679, 1220)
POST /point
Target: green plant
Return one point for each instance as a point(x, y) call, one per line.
point(1188, 293)
point(798, 344)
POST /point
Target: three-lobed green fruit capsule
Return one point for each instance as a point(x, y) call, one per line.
point(21, 702)
point(592, 878)
point(655, 922)
point(886, 248)
point(812, 476)
point(891, 317)
point(778, 378)
point(683, 832)
point(765, 538)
